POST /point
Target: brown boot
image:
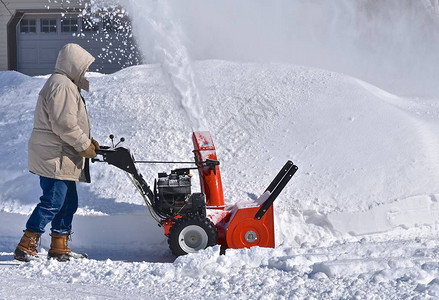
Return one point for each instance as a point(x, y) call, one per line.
point(27, 248)
point(59, 248)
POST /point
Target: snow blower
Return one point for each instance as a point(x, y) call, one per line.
point(194, 221)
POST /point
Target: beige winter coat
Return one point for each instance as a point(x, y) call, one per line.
point(61, 125)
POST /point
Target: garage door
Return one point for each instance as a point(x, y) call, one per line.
point(40, 37)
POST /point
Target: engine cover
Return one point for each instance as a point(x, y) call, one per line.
point(173, 195)
point(174, 188)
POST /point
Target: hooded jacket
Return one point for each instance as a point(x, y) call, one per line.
point(61, 125)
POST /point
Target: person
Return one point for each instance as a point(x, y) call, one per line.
point(59, 148)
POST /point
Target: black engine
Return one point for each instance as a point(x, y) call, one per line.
point(173, 195)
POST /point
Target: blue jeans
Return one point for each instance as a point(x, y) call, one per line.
point(57, 205)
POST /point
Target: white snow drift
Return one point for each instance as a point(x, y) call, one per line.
point(365, 157)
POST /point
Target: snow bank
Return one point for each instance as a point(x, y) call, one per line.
point(366, 160)
point(358, 148)
point(350, 270)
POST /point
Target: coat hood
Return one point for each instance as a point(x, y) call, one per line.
point(73, 61)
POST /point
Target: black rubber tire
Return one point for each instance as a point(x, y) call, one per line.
point(178, 243)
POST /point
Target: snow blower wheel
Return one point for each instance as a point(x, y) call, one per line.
point(191, 234)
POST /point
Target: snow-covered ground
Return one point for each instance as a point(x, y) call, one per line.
point(358, 220)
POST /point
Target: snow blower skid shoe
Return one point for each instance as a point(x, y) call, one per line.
point(60, 251)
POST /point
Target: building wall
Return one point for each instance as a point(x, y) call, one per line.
point(4, 17)
point(13, 6)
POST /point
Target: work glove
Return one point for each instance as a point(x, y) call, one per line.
point(95, 143)
point(89, 152)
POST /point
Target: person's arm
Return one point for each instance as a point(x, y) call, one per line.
point(63, 109)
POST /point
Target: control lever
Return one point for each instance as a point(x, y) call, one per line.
point(112, 140)
point(212, 164)
point(120, 141)
point(94, 159)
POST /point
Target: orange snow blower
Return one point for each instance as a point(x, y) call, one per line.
point(194, 221)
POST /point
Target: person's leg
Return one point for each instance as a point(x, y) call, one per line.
point(62, 227)
point(54, 194)
point(62, 222)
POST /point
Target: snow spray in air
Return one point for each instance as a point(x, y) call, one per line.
point(393, 44)
point(155, 28)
